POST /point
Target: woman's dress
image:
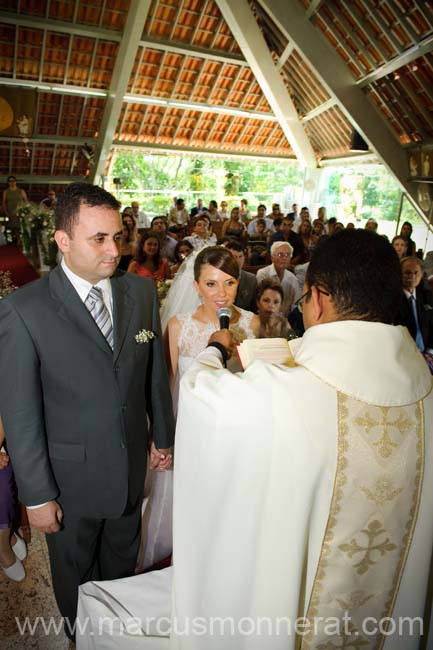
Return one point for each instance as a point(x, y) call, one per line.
point(162, 273)
point(158, 508)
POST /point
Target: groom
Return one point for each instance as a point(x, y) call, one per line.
point(78, 389)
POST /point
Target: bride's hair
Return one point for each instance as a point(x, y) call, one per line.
point(218, 257)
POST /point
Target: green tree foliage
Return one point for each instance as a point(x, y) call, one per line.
point(155, 179)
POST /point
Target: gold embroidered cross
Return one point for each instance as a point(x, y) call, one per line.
point(385, 443)
point(373, 531)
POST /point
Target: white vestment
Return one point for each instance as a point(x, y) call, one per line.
point(293, 487)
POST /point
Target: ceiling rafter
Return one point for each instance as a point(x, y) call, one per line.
point(338, 80)
point(362, 47)
point(313, 8)
point(126, 55)
point(405, 58)
point(402, 20)
point(320, 109)
point(217, 152)
point(242, 23)
point(374, 14)
point(191, 50)
point(37, 22)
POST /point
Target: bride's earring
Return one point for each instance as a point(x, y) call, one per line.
point(200, 297)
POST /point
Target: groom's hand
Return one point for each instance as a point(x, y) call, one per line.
point(160, 459)
point(46, 518)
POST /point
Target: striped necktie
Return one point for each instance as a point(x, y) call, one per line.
point(418, 336)
point(100, 314)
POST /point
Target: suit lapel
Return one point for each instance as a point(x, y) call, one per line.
point(72, 309)
point(123, 306)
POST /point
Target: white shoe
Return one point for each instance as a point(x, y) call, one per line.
point(20, 548)
point(15, 572)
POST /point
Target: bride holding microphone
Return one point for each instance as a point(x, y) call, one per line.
point(206, 282)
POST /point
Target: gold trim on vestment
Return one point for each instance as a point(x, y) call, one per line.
point(374, 507)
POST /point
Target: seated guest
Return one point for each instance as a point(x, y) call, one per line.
point(178, 214)
point(261, 214)
point(50, 201)
point(129, 221)
point(126, 249)
point(244, 212)
point(246, 295)
point(234, 227)
point(286, 234)
point(295, 216)
point(213, 212)
point(141, 218)
point(223, 212)
point(416, 312)
point(371, 224)
point(257, 244)
point(183, 250)
point(148, 261)
point(198, 209)
point(200, 237)
point(167, 242)
point(281, 253)
point(332, 224)
point(269, 302)
point(276, 212)
point(400, 246)
point(309, 244)
point(406, 233)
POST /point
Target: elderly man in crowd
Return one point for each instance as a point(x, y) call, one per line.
point(281, 255)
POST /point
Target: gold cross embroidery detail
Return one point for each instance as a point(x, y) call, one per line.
point(385, 444)
point(373, 531)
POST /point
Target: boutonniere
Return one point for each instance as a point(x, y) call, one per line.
point(144, 336)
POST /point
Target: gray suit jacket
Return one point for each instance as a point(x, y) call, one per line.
point(74, 411)
point(246, 296)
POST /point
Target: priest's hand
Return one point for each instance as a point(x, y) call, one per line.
point(225, 338)
point(160, 459)
point(46, 518)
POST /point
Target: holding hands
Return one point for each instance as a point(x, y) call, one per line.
point(160, 459)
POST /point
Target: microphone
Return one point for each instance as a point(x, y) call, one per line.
point(224, 315)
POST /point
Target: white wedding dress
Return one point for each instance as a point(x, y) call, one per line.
point(182, 301)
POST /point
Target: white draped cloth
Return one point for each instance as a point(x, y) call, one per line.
point(262, 472)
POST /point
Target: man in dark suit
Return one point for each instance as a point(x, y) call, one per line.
point(246, 295)
point(82, 354)
point(416, 312)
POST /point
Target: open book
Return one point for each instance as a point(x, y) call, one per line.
point(269, 350)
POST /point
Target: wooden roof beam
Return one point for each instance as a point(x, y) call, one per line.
point(338, 80)
point(245, 30)
point(37, 22)
point(126, 54)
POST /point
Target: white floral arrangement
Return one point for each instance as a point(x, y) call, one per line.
point(144, 336)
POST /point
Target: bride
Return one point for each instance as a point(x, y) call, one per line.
point(216, 281)
point(205, 282)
